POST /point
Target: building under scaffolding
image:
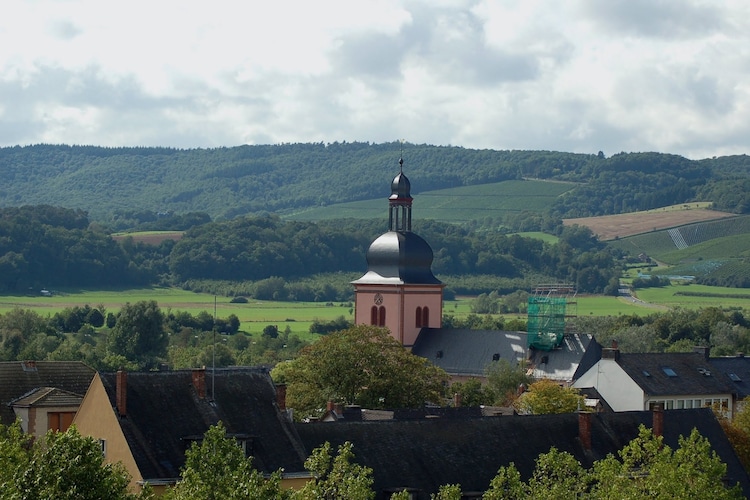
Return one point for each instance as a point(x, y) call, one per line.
point(548, 309)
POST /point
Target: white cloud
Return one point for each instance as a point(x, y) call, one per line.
point(583, 75)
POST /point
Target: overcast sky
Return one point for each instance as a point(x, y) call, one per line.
point(574, 75)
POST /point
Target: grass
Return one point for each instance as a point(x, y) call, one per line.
point(254, 316)
point(706, 296)
point(459, 204)
point(545, 237)
point(298, 316)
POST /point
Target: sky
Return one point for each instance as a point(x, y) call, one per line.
point(575, 76)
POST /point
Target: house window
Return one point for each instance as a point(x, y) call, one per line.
point(381, 316)
point(374, 315)
point(103, 445)
point(60, 420)
point(418, 317)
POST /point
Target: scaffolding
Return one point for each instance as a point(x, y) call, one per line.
point(548, 309)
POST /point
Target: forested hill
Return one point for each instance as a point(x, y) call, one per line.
point(226, 182)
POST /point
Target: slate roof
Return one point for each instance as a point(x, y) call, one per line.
point(164, 415)
point(663, 374)
point(468, 352)
point(425, 454)
point(48, 397)
point(736, 369)
point(19, 378)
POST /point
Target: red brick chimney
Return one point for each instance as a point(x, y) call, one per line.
point(457, 400)
point(658, 425)
point(281, 396)
point(121, 392)
point(584, 429)
point(199, 382)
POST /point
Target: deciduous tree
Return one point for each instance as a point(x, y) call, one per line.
point(139, 334)
point(548, 397)
point(361, 365)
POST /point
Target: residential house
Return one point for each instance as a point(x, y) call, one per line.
point(465, 353)
point(147, 420)
point(639, 381)
point(420, 455)
point(44, 395)
point(736, 369)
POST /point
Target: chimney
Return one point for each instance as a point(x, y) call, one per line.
point(705, 351)
point(352, 413)
point(199, 381)
point(457, 400)
point(121, 392)
point(613, 354)
point(330, 406)
point(29, 365)
point(658, 425)
point(281, 396)
point(584, 429)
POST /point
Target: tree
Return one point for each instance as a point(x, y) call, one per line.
point(548, 397)
point(362, 365)
point(504, 380)
point(473, 393)
point(139, 334)
point(217, 468)
point(336, 477)
point(15, 446)
point(66, 465)
point(646, 468)
point(271, 331)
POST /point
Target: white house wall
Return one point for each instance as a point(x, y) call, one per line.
point(614, 385)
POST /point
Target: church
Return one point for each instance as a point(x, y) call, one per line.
point(400, 292)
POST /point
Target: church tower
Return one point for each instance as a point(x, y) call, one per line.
point(399, 291)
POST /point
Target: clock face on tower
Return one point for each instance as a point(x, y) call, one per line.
point(378, 299)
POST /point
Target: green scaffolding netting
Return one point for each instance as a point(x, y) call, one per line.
point(546, 322)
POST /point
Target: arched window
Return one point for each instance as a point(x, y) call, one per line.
point(381, 316)
point(426, 316)
point(374, 315)
point(419, 317)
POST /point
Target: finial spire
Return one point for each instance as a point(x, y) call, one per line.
point(401, 158)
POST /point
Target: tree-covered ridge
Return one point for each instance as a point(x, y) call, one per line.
point(110, 183)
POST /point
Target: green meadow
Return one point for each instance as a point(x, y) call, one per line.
point(298, 316)
point(253, 316)
point(692, 296)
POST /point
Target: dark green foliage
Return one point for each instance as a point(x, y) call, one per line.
point(63, 465)
point(324, 327)
point(139, 335)
point(271, 331)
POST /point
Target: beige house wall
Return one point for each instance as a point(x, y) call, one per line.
point(96, 418)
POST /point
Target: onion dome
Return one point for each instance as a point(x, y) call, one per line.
point(399, 256)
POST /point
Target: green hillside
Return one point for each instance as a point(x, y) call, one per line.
point(125, 187)
point(723, 238)
point(460, 204)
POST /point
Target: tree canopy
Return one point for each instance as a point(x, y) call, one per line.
point(362, 365)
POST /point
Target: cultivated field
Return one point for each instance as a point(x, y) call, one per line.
point(459, 204)
point(609, 227)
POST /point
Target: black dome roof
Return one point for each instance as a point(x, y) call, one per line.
point(399, 257)
point(400, 187)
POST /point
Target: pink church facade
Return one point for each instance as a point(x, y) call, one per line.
point(399, 291)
